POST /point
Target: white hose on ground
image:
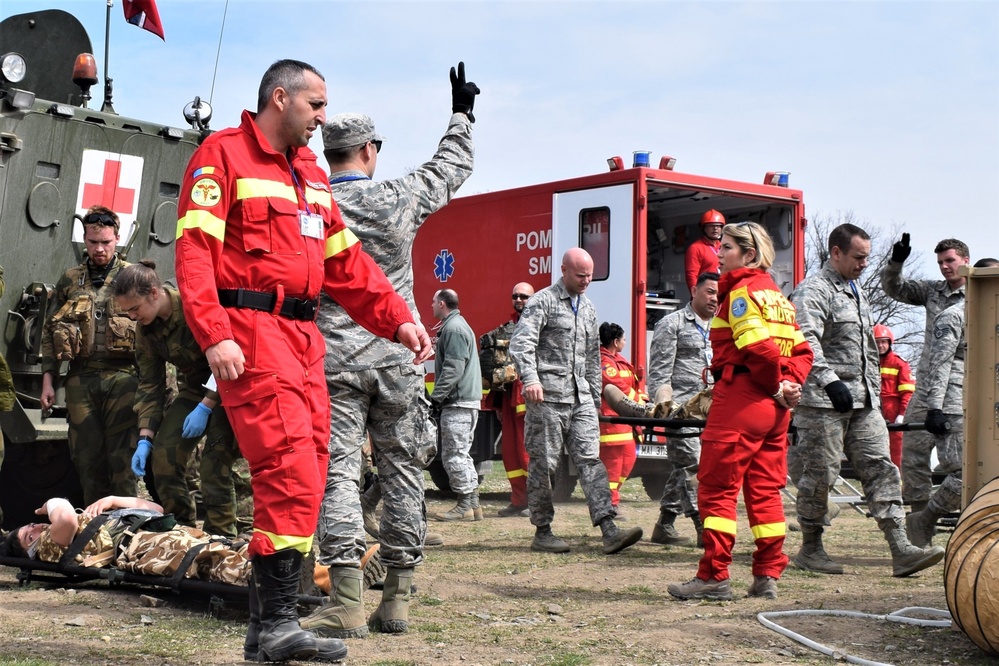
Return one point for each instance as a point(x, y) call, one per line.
point(901, 616)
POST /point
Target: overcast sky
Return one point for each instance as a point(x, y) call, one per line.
point(886, 109)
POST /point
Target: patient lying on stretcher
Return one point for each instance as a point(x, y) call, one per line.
point(133, 535)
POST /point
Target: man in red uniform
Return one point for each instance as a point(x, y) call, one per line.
point(702, 255)
point(258, 237)
point(511, 407)
point(897, 386)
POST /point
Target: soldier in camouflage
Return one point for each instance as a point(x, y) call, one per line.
point(374, 386)
point(935, 296)
point(556, 348)
point(840, 409)
point(169, 434)
point(942, 393)
point(678, 361)
point(86, 328)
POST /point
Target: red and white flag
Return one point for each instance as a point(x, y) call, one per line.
point(144, 14)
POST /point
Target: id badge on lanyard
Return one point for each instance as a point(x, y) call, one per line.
point(311, 224)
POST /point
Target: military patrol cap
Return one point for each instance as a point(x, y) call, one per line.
point(349, 129)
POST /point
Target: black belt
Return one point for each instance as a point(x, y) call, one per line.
point(736, 370)
point(291, 308)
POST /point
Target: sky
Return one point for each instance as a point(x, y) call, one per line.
point(888, 110)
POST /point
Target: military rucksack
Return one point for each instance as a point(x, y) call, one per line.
point(495, 362)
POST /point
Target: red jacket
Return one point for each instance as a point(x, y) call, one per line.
point(756, 328)
point(701, 257)
point(618, 371)
point(239, 226)
point(896, 379)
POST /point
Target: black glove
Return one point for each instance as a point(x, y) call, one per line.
point(900, 250)
point(462, 93)
point(840, 395)
point(936, 423)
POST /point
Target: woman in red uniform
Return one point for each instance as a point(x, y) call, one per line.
point(617, 441)
point(760, 360)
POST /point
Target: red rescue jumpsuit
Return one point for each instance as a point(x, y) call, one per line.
point(897, 387)
point(701, 257)
point(513, 409)
point(240, 227)
point(756, 344)
point(618, 441)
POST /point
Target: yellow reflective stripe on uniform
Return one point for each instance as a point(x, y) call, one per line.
point(339, 242)
point(202, 219)
point(719, 524)
point(906, 388)
point(718, 322)
point(632, 393)
point(785, 331)
point(614, 486)
point(285, 542)
point(751, 336)
point(624, 373)
point(318, 197)
point(769, 530)
point(617, 437)
point(515, 473)
point(249, 188)
point(889, 371)
point(520, 409)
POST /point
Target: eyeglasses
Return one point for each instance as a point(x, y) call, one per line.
point(377, 145)
point(752, 233)
point(520, 297)
point(100, 219)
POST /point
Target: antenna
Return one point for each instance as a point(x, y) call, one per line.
point(107, 107)
point(225, 10)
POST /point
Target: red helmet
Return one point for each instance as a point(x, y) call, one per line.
point(712, 217)
point(882, 331)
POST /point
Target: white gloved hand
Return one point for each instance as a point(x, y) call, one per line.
point(900, 418)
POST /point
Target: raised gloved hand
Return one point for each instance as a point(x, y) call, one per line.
point(936, 422)
point(196, 421)
point(140, 456)
point(462, 92)
point(900, 250)
point(840, 395)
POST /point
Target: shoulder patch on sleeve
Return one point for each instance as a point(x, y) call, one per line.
point(739, 306)
point(205, 192)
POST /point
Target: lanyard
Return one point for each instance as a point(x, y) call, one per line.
point(298, 186)
point(347, 179)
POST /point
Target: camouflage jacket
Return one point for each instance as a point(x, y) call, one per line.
point(559, 348)
point(934, 295)
point(7, 395)
point(385, 216)
point(679, 354)
point(837, 325)
point(944, 381)
point(85, 322)
point(163, 342)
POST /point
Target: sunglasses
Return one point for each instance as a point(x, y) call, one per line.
point(100, 219)
point(752, 233)
point(378, 145)
point(520, 297)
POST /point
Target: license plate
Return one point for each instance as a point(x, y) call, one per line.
point(651, 450)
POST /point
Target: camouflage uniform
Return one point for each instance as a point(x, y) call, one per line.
point(559, 347)
point(935, 296)
point(7, 396)
point(373, 383)
point(171, 341)
point(457, 393)
point(87, 328)
point(943, 390)
point(678, 357)
point(836, 322)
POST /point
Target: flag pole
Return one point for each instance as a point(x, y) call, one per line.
point(107, 107)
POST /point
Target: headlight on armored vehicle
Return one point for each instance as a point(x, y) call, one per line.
point(13, 67)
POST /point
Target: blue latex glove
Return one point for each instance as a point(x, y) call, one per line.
point(196, 422)
point(140, 457)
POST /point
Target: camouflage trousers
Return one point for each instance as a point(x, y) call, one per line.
point(1, 467)
point(547, 427)
point(917, 447)
point(171, 455)
point(162, 553)
point(824, 435)
point(950, 453)
point(384, 403)
point(680, 493)
point(457, 428)
point(102, 431)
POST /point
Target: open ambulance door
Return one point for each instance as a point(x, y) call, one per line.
point(601, 221)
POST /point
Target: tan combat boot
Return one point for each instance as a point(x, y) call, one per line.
point(392, 614)
point(343, 616)
point(812, 556)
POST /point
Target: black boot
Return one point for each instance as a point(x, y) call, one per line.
point(275, 579)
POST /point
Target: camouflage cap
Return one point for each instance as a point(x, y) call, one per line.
point(348, 129)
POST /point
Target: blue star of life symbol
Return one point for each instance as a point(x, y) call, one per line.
point(443, 265)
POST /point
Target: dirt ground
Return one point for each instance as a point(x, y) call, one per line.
point(485, 598)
